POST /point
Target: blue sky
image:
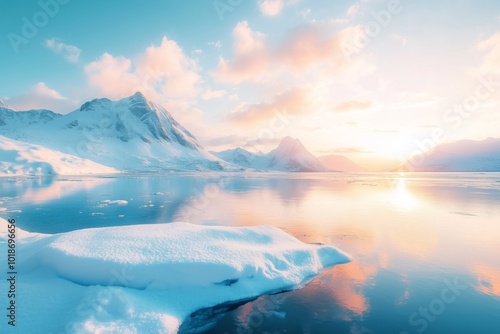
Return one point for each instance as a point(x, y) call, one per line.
point(342, 76)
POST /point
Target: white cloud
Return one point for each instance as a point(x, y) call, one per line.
point(70, 52)
point(491, 60)
point(353, 9)
point(401, 39)
point(271, 7)
point(216, 44)
point(275, 7)
point(213, 94)
point(305, 13)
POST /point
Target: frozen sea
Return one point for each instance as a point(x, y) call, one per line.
point(425, 247)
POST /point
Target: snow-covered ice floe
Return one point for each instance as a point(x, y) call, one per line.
point(151, 278)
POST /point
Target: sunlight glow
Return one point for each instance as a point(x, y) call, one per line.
point(402, 198)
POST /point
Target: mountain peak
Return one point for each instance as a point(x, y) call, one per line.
point(288, 140)
point(95, 104)
point(4, 105)
point(138, 97)
point(289, 144)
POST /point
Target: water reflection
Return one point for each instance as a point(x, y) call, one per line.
point(402, 198)
point(403, 232)
point(488, 279)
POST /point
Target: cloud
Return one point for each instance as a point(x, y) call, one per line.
point(294, 102)
point(160, 72)
point(353, 105)
point(312, 45)
point(400, 38)
point(213, 94)
point(70, 52)
point(275, 7)
point(386, 131)
point(261, 143)
point(216, 45)
point(346, 150)
point(271, 7)
point(353, 9)
point(112, 76)
point(170, 68)
point(251, 56)
point(305, 13)
point(491, 60)
point(40, 96)
point(227, 140)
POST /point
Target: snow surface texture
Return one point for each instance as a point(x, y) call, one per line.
point(129, 134)
point(289, 156)
point(151, 278)
point(18, 158)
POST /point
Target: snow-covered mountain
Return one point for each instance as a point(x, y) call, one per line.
point(243, 158)
point(3, 105)
point(289, 156)
point(22, 118)
point(460, 156)
point(18, 158)
point(129, 134)
point(341, 163)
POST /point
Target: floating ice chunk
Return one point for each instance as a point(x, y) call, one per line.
point(120, 202)
point(150, 278)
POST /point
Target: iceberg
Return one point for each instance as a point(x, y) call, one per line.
point(152, 278)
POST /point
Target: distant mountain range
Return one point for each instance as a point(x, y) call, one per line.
point(460, 156)
point(290, 156)
point(135, 134)
point(341, 163)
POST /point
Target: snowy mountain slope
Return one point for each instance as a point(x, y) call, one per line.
point(460, 156)
point(3, 105)
point(340, 163)
point(18, 158)
point(243, 158)
point(129, 134)
point(23, 118)
point(289, 156)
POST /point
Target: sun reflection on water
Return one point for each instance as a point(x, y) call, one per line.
point(402, 198)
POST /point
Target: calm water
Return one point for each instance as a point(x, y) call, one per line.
point(425, 247)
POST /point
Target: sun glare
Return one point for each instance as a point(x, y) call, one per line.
point(401, 197)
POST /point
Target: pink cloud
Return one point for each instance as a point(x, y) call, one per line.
point(491, 61)
point(271, 7)
point(170, 67)
point(112, 76)
point(160, 72)
point(213, 94)
point(40, 96)
point(353, 105)
point(296, 101)
point(251, 56)
point(314, 45)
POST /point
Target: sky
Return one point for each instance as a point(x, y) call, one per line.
point(373, 80)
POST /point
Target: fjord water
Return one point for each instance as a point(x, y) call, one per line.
point(425, 247)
